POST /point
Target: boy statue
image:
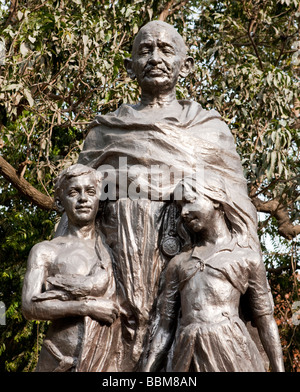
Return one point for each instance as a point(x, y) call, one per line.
point(69, 280)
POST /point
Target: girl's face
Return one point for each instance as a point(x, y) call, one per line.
point(197, 210)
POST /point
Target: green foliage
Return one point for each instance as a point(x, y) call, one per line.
point(247, 69)
point(21, 226)
point(64, 64)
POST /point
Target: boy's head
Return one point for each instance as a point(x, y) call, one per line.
point(77, 192)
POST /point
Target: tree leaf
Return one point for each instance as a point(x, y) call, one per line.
point(28, 95)
point(23, 49)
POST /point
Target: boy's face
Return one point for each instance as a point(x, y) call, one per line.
point(197, 211)
point(80, 199)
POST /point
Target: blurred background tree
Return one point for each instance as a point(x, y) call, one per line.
point(61, 63)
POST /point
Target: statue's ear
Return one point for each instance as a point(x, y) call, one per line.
point(128, 65)
point(217, 206)
point(59, 205)
point(187, 67)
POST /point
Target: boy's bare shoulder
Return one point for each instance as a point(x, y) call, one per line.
point(43, 253)
point(42, 247)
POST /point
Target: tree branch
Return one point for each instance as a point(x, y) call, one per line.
point(284, 42)
point(170, 8)
point(278, 270)
point(251, 31)
point(280, 212)
point(165, 12)
point(12, 11)
point(23, 186)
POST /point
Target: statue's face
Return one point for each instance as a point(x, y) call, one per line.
point(80, 199)
point(157, 59)
point(197, 211)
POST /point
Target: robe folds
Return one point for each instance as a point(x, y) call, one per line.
point(137, 155)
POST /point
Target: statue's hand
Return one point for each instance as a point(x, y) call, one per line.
point(102, 309)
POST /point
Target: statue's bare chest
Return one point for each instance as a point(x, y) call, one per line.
point(73, 259)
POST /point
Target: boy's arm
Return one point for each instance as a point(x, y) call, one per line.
point(39, 258)
point(93, 285)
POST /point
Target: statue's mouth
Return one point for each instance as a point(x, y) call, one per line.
point(83, 209)
point(154, 71)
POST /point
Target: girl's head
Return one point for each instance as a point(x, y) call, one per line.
point(200, 200)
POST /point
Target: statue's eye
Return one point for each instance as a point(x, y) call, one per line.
point(72, 193)
point(167, 51)
point(144, 51)
point(91, 192)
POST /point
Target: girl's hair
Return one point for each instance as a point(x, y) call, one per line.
point(214, 188)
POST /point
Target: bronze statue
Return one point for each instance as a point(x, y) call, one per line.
point(144, 150)
point(205, 285)
point(69, 280)
point(173, 136)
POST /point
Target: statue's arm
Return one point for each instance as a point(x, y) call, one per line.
point(262, 310)
point(269, 336)
point(162, 339)
point(50, 309)
point(93, 285)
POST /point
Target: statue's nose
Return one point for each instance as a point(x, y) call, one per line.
point(82, 197)
point(184, 211)
point(155, 58)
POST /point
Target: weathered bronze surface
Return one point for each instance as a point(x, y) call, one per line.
point(205, 285)
point(181, 262)
point(69, 280)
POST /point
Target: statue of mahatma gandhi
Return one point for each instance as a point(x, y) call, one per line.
point(167, 274)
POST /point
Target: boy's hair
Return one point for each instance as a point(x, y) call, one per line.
point(74, 171)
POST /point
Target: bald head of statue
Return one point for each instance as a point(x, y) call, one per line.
point(166, 30)
point(159, 57)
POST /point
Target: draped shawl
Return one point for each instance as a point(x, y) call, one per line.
point(192, 139)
